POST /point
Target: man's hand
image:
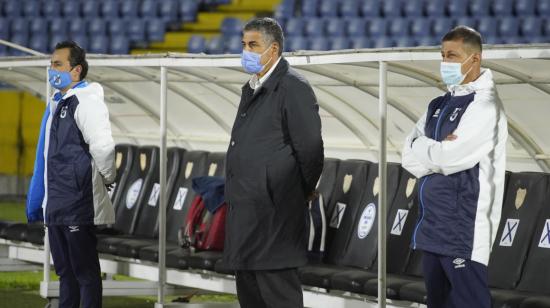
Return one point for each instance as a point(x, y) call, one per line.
point(451, 137)
point(109, 186)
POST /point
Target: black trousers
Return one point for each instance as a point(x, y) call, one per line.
point(269, 289)
point(76, 263)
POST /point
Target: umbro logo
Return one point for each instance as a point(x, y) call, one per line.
point(73, 229)
point(459, 263)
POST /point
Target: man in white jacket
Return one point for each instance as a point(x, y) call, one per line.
point(76, 160)
point(458, 150)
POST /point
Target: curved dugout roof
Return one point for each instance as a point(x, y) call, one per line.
point(204, 91)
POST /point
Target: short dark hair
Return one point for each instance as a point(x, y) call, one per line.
point(469, 36)
point(77, 56)
point(269, 28)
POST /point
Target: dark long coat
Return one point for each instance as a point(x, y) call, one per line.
point(273, 163)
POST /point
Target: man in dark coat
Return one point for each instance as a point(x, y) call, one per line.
point(274, 161)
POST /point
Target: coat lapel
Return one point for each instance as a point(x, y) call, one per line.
point(248, 94)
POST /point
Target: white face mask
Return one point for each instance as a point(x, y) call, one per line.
point(451, 72)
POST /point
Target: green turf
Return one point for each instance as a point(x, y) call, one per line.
point(13, 211)
point(23, 280)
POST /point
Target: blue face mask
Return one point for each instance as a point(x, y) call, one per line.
point(59, 80)
point(251, 61)
point(451, 73)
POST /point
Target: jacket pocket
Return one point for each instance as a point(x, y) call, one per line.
point(65, 175)
point(83, 175)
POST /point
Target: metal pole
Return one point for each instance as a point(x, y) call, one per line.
point(382, 204)
point(46, 240)
point(162, 203)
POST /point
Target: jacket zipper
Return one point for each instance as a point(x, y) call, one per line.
point(421, 192)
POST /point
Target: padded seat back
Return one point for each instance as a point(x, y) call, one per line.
point(147, 218)
point(525, 195)
point(350, 183)
point(401, 223)
point(362, 242)
point(536, 273)
point(192, 165)
point(124, 159)
point(144, 168)
point(317, 222)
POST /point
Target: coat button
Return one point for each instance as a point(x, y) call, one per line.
point(232, 143)
point(243, 114)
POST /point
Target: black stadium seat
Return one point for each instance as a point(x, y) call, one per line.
point(361, 248)
point(203, 259)
point(194, 164)
point(124, 159)
point(404, 265)
point(4, 224)
point(325, 187)
point(525, 196)
point(146, 228)
point(535, 277)
point(19, 231)
point(142, 172)
point(361, 252)
point(345, 201)
point(146, 231)
point(401, 223)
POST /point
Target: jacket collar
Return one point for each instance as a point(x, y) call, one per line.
point(483, 82)
point(270, 84)
point(57, 96)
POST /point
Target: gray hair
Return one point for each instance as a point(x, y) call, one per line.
point(269, 28)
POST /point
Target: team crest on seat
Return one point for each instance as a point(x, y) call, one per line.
point(212, 169)
point(118, 160)
point(188, 169)
point(348, 178)
point(411, 183)
point(376, 187)
point(142, 161)
point(520, 197)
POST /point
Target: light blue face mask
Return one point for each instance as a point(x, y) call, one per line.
point(451, 73)
point(59, 80)
point(251, 61)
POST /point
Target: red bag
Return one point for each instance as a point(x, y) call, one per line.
point(203, 230)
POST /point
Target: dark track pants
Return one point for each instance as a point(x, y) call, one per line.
point(269, 289)
point(76, 263)
point(455, 282)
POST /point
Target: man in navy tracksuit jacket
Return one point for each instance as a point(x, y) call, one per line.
point(458, 150)
point(74, 165)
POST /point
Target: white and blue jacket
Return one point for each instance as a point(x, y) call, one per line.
point(461, 181)
point(75, 159)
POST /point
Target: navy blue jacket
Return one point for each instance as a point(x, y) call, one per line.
point(79, 159)
point(461, 180)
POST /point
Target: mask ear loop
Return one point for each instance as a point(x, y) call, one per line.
point(263, 53)
point(470, 66)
